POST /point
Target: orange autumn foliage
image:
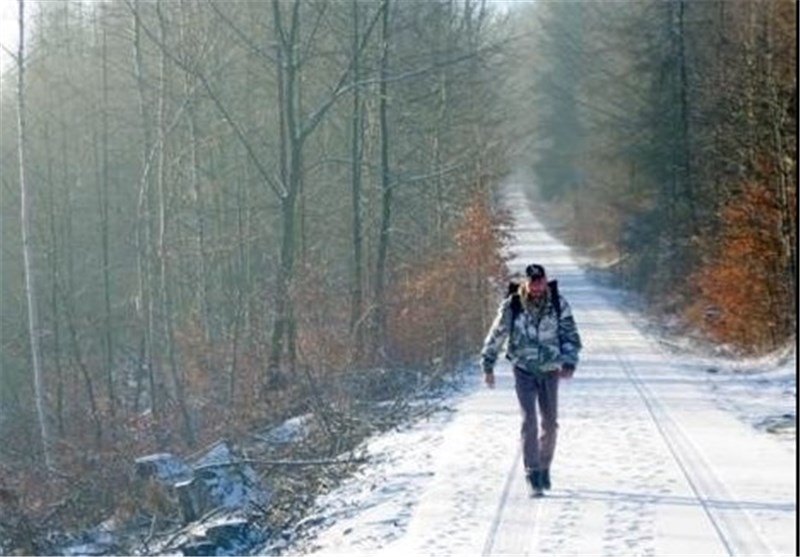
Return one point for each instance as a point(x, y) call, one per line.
point(440, 308)
point(742, 297)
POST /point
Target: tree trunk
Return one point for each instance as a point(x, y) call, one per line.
point(54, 279)
point(143, 226)
point(27, 253)
point(201, 295)
point(685, 150)
point(379, 324)
point(103, 193)
point(356, 141)
point(163, 256)
point(290, 167)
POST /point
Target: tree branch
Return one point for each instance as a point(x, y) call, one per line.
point(277, 187)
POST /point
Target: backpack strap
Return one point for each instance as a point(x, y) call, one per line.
point(556, 300)
point(554, 296)
point(515, 306)
point(516, 301)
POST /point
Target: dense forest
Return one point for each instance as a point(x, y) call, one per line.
point(218, 215)
point(668, 130)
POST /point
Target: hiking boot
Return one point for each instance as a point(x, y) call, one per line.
point(534, 478)
point(545, 479)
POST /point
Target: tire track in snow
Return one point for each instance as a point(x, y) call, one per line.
point(733, 525)
point(515, 540)
point(512, 473)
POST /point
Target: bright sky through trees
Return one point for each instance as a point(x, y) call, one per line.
point(9, 29)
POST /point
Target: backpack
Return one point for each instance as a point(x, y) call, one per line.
point(516, 305)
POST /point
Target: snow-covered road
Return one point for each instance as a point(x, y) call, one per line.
point(648, 462)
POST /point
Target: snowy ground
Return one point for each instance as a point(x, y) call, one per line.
point(660, 452)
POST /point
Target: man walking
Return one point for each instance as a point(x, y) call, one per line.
point(543, 346)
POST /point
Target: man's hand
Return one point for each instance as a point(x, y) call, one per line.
point(566, 371)
point(488, 378)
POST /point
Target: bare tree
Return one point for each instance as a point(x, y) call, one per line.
point(103, 193)
point(379, 322)
point(27, 251)
point(356, 156)
point(144, 298)
point(167, 313)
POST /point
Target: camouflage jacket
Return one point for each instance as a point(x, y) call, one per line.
point(540, 342)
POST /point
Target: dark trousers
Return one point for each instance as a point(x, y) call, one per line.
point(541, 389)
